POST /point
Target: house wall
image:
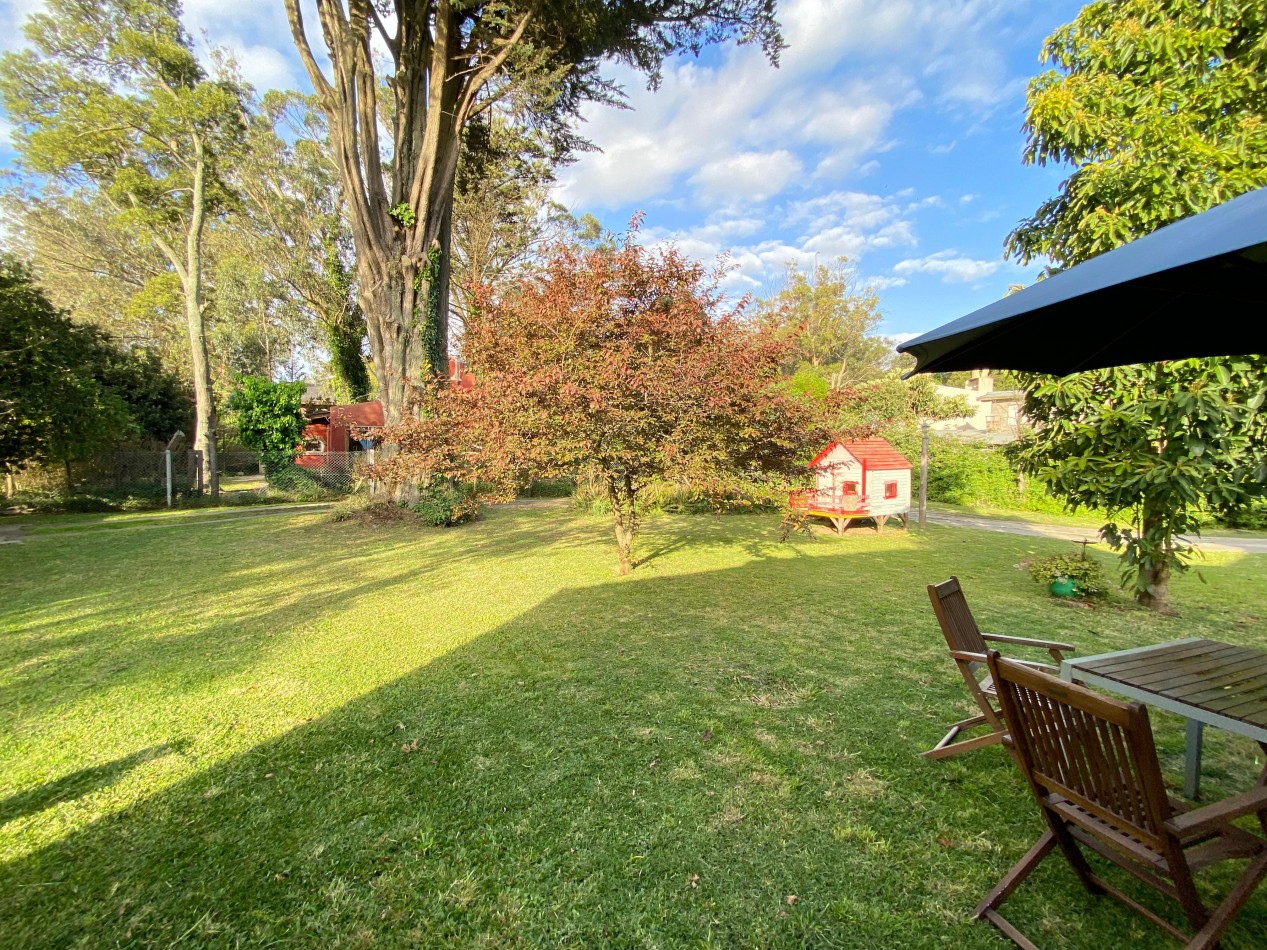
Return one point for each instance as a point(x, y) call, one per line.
point(836, 469)
point(877, 504)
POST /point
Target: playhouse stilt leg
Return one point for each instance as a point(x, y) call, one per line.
point(879, 523)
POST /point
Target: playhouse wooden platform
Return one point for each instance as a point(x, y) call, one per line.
point(841, 514)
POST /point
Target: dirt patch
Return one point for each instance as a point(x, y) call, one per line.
point(378, 513)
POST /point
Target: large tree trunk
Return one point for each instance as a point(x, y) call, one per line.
point(1156, 593)
point(400, 221)
point(204, 396)
point(622, 496)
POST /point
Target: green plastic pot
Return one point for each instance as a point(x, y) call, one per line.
point(1064, 587)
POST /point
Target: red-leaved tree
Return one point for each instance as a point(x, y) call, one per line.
point(621, 363)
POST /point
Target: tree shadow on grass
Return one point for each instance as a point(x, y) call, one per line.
point(233, 606)
point(662, 761)
point(80, 783)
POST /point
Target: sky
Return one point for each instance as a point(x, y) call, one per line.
point(890, 133)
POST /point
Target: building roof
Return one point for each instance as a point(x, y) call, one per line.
point(875, 453)
point(364, 414)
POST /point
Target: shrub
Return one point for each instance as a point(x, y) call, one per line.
point(1087, 575)
point(443, 504)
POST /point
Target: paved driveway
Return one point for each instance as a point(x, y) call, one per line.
point(1211, 542)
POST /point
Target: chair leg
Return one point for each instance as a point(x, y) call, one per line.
point(988, 908)
point(1208, 936)
point(948, 745)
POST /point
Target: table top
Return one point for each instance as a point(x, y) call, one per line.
point(1212, 682)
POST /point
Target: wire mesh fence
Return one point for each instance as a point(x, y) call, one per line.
point(156, 478)
point(318, 475)
point(138, 475)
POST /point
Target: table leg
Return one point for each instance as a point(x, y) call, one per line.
point(1192, 760)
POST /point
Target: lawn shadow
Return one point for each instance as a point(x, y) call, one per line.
point(77, 784)
point(668, 761)
point(260, 589)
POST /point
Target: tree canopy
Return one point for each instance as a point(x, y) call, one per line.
point(397, 121)
point(1162, 107)
point(111, 95)
point(616, 361)
point(831, 323)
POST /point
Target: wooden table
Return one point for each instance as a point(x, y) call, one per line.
point(1202, 680)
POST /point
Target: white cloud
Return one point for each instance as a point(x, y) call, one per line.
point(949, 265)
point(884, 283)
point(746, 178)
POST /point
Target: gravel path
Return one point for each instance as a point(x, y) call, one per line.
point(1243, 545)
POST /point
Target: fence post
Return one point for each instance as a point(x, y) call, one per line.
point(167, 459)
point(198, 461)
point(923, 477)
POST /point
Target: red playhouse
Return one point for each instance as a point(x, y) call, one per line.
point(336, 429)
point(866, 478)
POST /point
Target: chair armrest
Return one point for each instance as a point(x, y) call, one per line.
point(980, 658)
point(1203, 820)
point(1057, 650)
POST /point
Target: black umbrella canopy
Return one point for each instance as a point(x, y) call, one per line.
point(1193, 288)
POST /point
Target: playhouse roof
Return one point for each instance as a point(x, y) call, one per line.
point(364, 414)
point(876, 453)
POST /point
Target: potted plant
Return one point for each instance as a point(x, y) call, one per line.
point(1069, 575)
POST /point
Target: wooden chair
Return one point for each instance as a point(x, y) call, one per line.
point(967, 646)
point(1092, 767)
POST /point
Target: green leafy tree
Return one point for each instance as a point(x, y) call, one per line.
point(111, 95)
point(831, 321)
point(1162, 107)
point(397, 117)
point(1159, 443)
point(893, 402)
point(54, 405)
point(269, 418)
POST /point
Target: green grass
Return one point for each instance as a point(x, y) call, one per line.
point(287, 732)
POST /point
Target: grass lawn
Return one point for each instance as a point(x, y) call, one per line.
point(287, 732)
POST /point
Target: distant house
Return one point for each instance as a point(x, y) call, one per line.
point(997, 413)
point(350, 427)
point(862, 479)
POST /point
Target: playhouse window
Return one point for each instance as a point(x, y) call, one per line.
point(850, 488)
point(890, 489)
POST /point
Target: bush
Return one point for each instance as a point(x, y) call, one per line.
point(1086, 574)
point(974, 474)
point(549, 488)
point(443, 504)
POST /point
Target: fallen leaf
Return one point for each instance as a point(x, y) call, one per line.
point(708, 735)
point(268, 774)
point(945, 842)
point(694, 880)
point(791, 899)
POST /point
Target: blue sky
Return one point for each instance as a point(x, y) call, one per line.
point(891, 134)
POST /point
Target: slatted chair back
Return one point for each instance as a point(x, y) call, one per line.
point(956, 620)
point(1097, 753)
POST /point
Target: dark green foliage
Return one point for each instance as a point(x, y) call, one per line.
point(1161, 105)
point(270, 420)
point(66, 391)
point(159, 402)
point(1085, 572)
point(1158, 443)
point(443, 504)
